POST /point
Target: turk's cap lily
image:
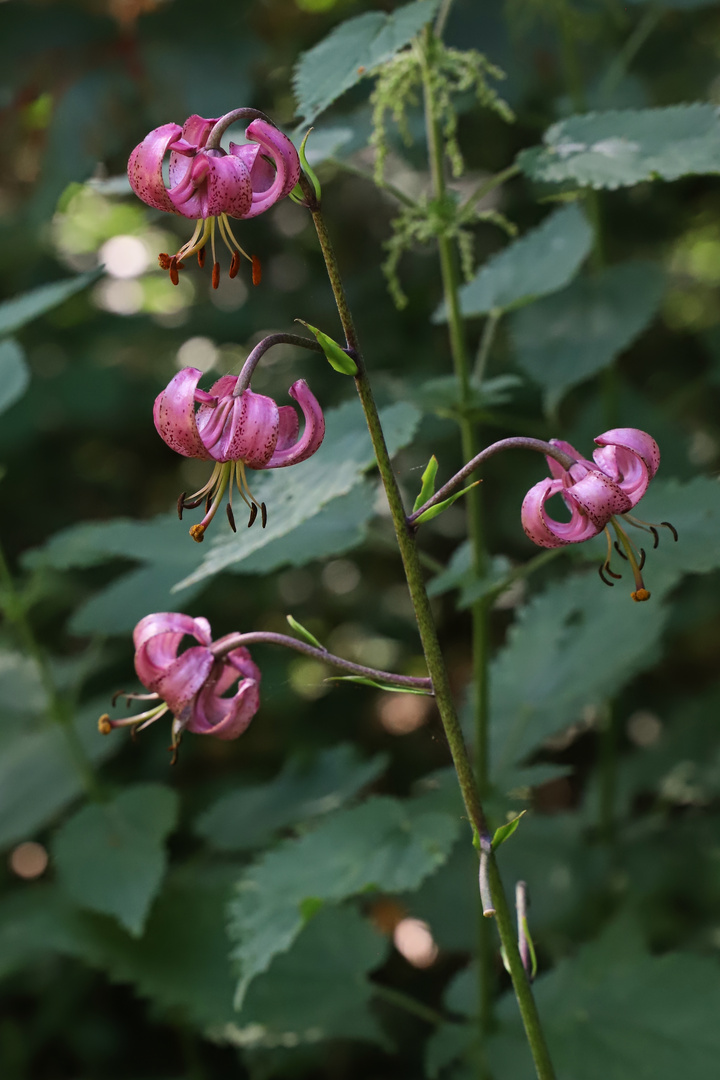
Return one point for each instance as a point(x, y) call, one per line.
point(252, 428)
point(192, 685)
point(599, 494)
point(209, 182)
point(594, 491)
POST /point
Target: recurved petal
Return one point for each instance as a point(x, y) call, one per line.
point(631, 457)
point(164, 622)
point(174, 415)
point(313, 434)
point(156, 655)
point(145, 167)
point(289, 427)
point(287, 166)
point(556, 469)
point(184, 678)
point(215, 184)
point(546, 531)
point(225, 718)
point(197, 128)
point(253, 433)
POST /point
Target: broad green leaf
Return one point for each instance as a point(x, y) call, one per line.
point(14, 373)
point(39, 774)
point(351, 50)
point(620, 148)
point(576, 625)
point(542, 261)
point(614, 1011)
point(442, 395)
point(21, 689)
point(459, 574)
point(110, 856)
point(294, 495)
point(566, 338)
point(504, 832)
point(385, 844)
point(318, 989)
point(250, 816)
point(23, 309)
point(427, 486)
point(119, 606)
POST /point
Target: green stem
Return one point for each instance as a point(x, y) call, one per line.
point(489, 185)
point(409, 1004)
point(433, 654)
point(59, 709)
point(488, 336)
point(365, 174)
point(442, 17)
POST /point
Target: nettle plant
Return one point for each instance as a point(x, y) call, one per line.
point(297, 914)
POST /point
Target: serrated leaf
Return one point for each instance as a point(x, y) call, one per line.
point(542, 261)
point(566, 338)
point(442, 395)
point(624, 147)
point(295, 495)
point(39, 776)
point(504, 832)
point(644, 1017)
point(23, 309)
point(427, 488)
point(303, 632)
point(351, 50)
point(14, 373)
point(110, 856)
point(576, 625)
point(385, 844)
point(319, 989)
point(249, 817)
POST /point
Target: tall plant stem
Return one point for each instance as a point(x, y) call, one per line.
point(59, 710)
point(469, 437)
point(433, 654)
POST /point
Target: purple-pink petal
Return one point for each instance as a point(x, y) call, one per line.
point(546, 531)
point(174, 415)
point(255, 430)
point(145, 167)
point(598, 497)
point(225, 718)
point(157, 639)
point(631, 457)
point(184, 679)
point(214, 183)
point(287, 166)
point(313, 434)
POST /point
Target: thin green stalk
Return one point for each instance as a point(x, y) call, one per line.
point(488, 336)
point(489, 185)
point(442, 17)
point(408, 1003)
point(59, 709)
point(433, 654)
point(365, 174)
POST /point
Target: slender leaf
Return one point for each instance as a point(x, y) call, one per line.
point(14, 373)
point(23, 309)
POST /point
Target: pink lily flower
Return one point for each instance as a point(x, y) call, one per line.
point(191, 685)
point(234, 431)
point(596, 492)
point(211, 185)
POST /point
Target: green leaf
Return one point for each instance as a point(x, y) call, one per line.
point(14, 374)
point(620, 148)
point(31, 305)
point(387, 687)
point(352, 50)
point(304, 633)
point(439, 508)
point(21, 689)
point(442, 395)
point(319, 989)
point(540, 262)
point(564, 339)
point(385, 844)
point(39, 775)
point(295, 495)
point(504, 832)
point(576, 625)
point(336, 357)
point(427, 489)
point(110, 856)
point(613, 1011)
point(249, 817)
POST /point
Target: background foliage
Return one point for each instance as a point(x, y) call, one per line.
point(243, 913)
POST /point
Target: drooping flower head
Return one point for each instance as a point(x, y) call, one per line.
point(234, 430)
point(192, 685)
point(598, 493)
point(211, 185)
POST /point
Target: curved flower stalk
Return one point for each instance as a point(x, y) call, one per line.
point(192, 685)
point(598, 493)
point(234, 431)
point(211, 185)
